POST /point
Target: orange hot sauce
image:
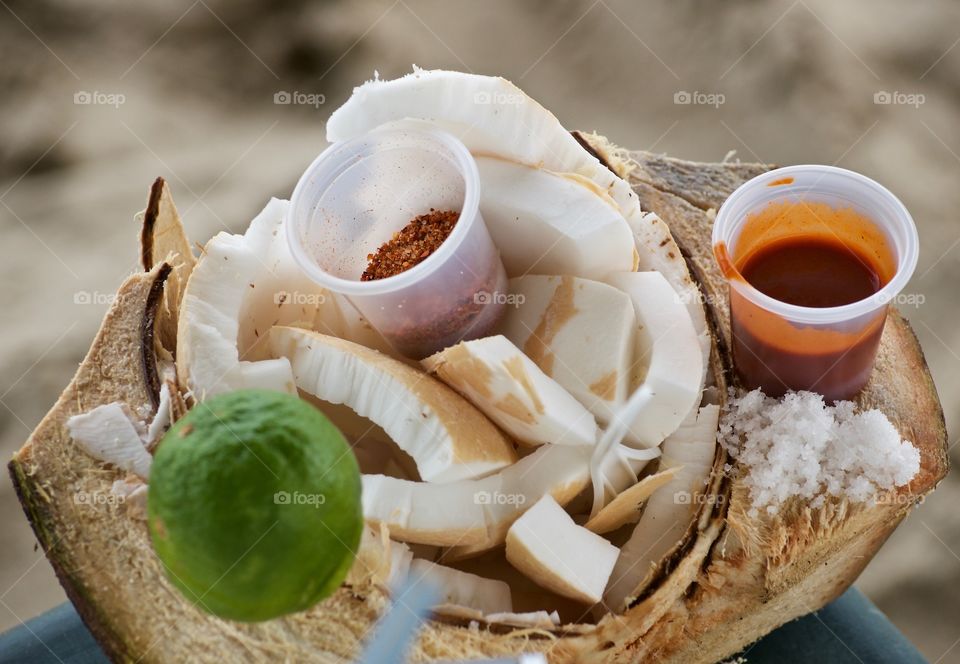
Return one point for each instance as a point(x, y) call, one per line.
point(811, 255)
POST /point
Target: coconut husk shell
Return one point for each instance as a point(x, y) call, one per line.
point(163, 239)
point(728, 582)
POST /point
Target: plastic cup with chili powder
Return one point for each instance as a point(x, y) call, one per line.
point(813, 256)
point(359, 194)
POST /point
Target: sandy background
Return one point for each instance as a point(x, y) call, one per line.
point(187, 91)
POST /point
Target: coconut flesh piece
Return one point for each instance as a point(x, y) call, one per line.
point(462, 589)
point(238, 290)
point(547, 223)
point(658, 251)
point(511, 390)
point(388, 562)
point(625, 508)
point(581, 333)
point(670, 510)
point(668, 342)
point(242, 286)
point(448, 437)
point(108, 434)
point(493, 117)
point(162, 419)
point(473, 517)
point(557, 554)
point(671, 388)
point(475, 513)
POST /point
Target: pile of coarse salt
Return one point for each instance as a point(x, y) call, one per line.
point(799, 446)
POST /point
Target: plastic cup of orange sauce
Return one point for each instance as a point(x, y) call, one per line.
point(813, 256)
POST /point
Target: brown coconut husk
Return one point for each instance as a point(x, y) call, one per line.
point(731, 579)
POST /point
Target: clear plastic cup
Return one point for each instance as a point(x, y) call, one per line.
point(357, 194)
point(831, 350)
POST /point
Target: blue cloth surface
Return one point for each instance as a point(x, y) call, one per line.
point(850, 630)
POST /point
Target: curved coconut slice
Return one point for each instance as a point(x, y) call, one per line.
point(463, 589)
point(669, 345)
point(475, 513)
point(489, 114)
point(107, 433)
point(493, 117)
point(625, 508)
point(512, 391)
point(670, 509)
point(547, 223)
point(557, 554)
point(581, 333)
point(241, 287)
point(448, 438)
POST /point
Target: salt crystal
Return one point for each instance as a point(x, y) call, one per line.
point(798, 446)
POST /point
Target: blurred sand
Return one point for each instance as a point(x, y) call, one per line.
point(198, 84)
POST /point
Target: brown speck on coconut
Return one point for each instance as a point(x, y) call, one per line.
point(186, 430)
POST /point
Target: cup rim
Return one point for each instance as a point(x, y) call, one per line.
point(906, 261)
point(349, 151)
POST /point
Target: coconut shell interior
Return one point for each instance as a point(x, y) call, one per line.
point(729, 581)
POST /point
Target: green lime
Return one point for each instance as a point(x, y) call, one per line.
point(254, 505)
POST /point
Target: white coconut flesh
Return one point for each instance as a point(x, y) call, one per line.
point(448, 438)
point(462, 589)
point(658, 251)
point(489, 114)
point(668, 345)
point(493, 117)
point(670, 510)
point(474, 513)
point(546, 223)
point(241, 287)
point(557, 554)
point(108, 434)
point(495, 375)
point(581, 333)
point(625, 508)
point(162, 419)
